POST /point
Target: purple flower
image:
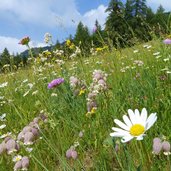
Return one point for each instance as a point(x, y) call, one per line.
point(71, 153)
point(167, 41)
point(55, 83)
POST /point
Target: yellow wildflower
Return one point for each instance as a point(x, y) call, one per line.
point(68, 43)
point(72, 46)
point(93, 111)
point(82, 91)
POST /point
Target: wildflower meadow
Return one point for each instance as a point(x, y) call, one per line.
point(99, 100)
point(109, 111)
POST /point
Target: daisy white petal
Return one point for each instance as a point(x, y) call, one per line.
point(151, 120)
point(131, 116)
point(144, 115)
point(127, 120)
point(140, 137)
point(118, 130)
point(137, 115)
point(116, 134)
point(121, 124)
point(126, 139)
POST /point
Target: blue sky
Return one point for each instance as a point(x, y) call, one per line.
point(34, 18)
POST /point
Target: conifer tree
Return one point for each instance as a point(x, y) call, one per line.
point(115, 24)
point(161, 19)
point(82, 37)
point(5, 57)
point(129, 10)
point(160, 9)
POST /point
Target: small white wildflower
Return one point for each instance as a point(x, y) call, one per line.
point(156, 53)
point(3, 85)
point(76, 144)
point(1, 97)
point(157, 57)
point(26, 80)
point(17, 158)
point(168, 72)
point(122, 70)
point(148, 47)
point(2, 117)
point(98, 62)
point(136, 51)
point(2, 126)
point(30, 85)
point(166, 59)
point(35, 92)
point(43, 59)
point(29, 149)
point(145, 46)
point(5, 135)
point(54, 94)
point(26, 93)
point(47, 37)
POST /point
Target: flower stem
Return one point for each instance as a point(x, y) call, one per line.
point(31, 54)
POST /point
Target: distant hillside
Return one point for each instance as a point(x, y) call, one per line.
point(36, 50)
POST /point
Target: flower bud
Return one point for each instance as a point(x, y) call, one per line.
point(157, 147)
point(25, 162)
point(18, 165)
point(166, 147)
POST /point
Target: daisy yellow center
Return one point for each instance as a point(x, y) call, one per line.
point(137, 130)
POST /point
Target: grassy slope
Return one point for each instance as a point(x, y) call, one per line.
point(137, 87)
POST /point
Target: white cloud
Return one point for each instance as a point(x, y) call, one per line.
point(91, 16)
point(12, 45)
point(155, 4)
point(50, 13)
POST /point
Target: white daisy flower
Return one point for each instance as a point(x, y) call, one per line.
point(134, 126)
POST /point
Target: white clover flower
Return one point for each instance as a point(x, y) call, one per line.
point(135, 125)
